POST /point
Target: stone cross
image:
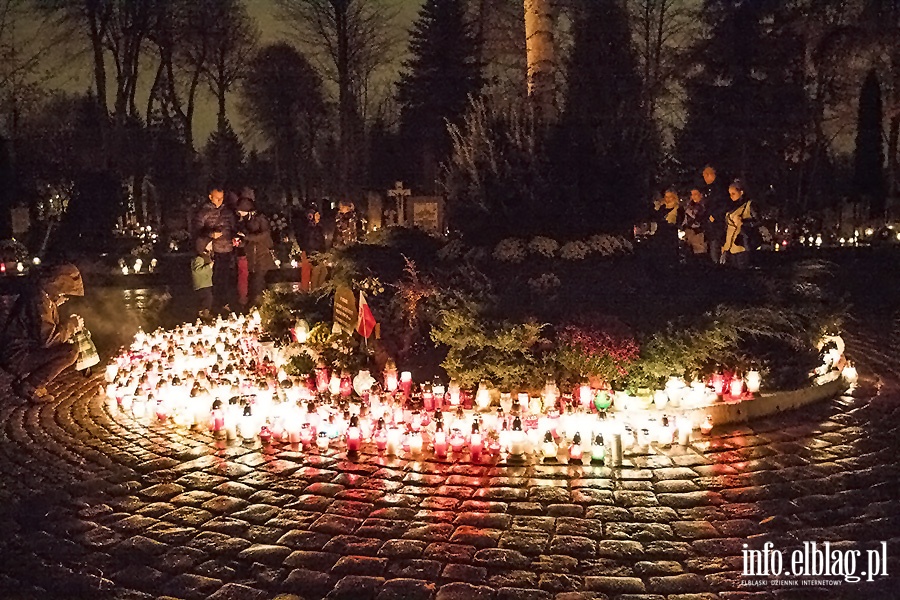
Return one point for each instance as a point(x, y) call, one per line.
point(400, 194)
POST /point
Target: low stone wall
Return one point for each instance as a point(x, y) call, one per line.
point(741, 411)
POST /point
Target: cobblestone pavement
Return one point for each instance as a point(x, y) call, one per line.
point(97, 506)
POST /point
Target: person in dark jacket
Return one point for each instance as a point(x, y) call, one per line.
point(314, 243)
point(717, 204)
point(36, 345)
point(256, 238)
point(313, 234)
point(216, 221)
point(346, 225)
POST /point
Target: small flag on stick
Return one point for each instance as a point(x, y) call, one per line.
point(365, 323)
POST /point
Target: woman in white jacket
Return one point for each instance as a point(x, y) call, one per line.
point(735, 250)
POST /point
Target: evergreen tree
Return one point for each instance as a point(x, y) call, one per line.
point(224, 154)
point(607, 142)
point(747, 109)
point(442, 74)
point(868, 160)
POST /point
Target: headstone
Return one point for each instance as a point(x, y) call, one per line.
point(427, 213)
point(21, 221)
point(375, 212)
point(345, 314)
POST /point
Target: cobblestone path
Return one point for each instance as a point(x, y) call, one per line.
point(93, 505)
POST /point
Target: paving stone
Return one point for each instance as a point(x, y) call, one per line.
point(526, 542)
point(476, 536)
point(236, 591)
point(499, 558)
point(406, 589)
point(571, 545)
point(359, 565)
point(464, 591)
point(356, 587)
point(614, 585)
point(466, 573)
point(560, 582)
point(415, 568)
point(446, 552)
point(514, 593)
point(402, 549)
point(309, 559)
point(308, 582)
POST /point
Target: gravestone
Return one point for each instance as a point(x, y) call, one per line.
point(427, 213)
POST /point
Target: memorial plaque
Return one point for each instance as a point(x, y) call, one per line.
point(345, 314)
point(428, 213)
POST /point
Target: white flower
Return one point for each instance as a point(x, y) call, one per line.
point(576, 250)
point(510, 250)
point(544, 246)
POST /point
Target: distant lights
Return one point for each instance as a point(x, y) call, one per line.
point(36, 261)
point(20, 267)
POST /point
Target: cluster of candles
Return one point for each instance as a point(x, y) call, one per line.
point(225, 377)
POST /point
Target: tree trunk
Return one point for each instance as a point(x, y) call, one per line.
point(345, 96)
point(541, 53)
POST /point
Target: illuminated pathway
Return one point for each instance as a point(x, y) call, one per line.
point(95, 506)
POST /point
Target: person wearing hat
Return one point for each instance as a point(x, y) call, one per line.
point(256, 238)
point(202, 275)
point(36, 345)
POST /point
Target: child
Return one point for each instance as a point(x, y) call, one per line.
point(202, 274)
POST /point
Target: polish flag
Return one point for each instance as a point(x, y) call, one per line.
point(365, 323)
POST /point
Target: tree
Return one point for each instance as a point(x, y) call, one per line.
point(661, 28)
point(540, 23)
point(868, 175)
point(748, 110)
point(282, 99)
point(438, 80)
point(350, 40)
point(232, 38)
point(606, 145)
point(224, 155)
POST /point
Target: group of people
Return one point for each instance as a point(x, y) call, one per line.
point(234, 252)
point(234, 248)
point(716, 221)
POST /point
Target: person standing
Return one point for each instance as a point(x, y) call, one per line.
point(216, 221)
point(736, 248)
point(36, 345)
point(668, 215)
point(716, 202)
point(256, 238)
point(694, 217)
point(346, 226)
point(202, 276)
point(313, 244)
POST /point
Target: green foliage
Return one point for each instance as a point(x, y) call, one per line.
point(280, 308)
point(499, 352)
point(300, 364)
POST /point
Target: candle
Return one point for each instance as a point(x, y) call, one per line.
point(454, 393)
point(483, 396)
point(394, 440)
point(585, 395)
point(575, 450)
point(111, 371)
point(598, 450)
point(850, 374)
point(415, 443)
point(457, 441)
point(707, 426)
point(549, 447)
point(354, 437)
point(322, 441)
point(476, 444)
point(390, 377)
point(265, 434)
point(217, 417)
point(718, 383)
point(406, 383)
point(684, 426)
point(753, 381)
point(737, 387)
point(440, 442)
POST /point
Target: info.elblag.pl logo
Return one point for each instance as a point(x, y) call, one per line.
point(827, 565)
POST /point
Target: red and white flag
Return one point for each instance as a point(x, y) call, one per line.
point(365, 323)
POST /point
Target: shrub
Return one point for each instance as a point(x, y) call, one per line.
point(544, 285)
point(482, 348)
point(605, 351)
point(280, 308)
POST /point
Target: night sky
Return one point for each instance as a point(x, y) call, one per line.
point(76, 77)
